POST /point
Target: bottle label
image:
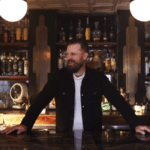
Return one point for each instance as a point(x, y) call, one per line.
point(111, 37)
point(20, 67)
point(146, 69)
point(18, 34)
point(15, 66)
point(87, 34)
point(5, 37)
point(107, 63)
point(60, 63)
point(70, 37)
point(25, 34)
point(105, 36)
point(113, 63)
point(79, 36)
point(26, 65)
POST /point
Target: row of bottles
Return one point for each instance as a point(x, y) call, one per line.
point(16, 65)
point(106, 106)
point(103, 60)
point(96, 35)
point(15, 32)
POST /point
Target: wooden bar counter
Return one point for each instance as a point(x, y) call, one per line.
point(104, 140)
point(13, 117)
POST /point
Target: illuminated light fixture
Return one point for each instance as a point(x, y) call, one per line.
point(13, 10)
point(140, 10)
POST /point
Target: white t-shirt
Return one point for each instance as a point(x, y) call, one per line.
point(78, 122)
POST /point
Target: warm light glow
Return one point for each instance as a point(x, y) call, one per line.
point(140, 10)
point(13, 10)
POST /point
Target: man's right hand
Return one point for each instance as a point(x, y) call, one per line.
point(20, 129)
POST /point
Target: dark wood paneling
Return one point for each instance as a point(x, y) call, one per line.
point(50, 22)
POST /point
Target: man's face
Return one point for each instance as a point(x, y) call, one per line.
point(74, 57)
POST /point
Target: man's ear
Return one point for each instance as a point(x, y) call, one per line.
point(85, 56)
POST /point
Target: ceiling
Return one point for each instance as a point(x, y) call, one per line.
point(81, 6)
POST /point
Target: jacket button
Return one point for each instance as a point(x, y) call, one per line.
point(63, 93)
point(82, 106)
point(94, 92)
point(81, 94)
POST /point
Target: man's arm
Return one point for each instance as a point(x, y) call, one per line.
point(122, 106)
point(43, 99)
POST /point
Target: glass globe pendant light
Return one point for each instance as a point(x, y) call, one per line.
point(140, 10)
point(13, 10)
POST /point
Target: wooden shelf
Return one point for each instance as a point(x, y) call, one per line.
point(15, 44)
point(105, 44)
point(14, 78)
point(147, 78)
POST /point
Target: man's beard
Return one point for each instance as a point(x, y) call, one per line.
point(75, 67)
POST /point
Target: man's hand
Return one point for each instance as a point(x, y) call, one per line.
point(19, 128)
point(142, 129)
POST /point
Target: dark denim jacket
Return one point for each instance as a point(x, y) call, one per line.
point(94, 85)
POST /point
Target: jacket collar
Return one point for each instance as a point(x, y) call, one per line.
point(87, 73)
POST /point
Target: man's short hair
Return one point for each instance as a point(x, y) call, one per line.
point(83, 44)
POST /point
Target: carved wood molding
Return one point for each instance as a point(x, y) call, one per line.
point(41, 55)
point(131, 59)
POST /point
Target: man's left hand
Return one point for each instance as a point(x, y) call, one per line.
point(142, 129)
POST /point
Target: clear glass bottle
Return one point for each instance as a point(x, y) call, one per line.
point(105, 31)
point(9, 65)
point(87, 31)
point(60, 60)
point(113, 61)
point(26, 65)
point(4, 64)
point(15, 66)
point(96, 33)
point(79, 31)
point(146, 66)
point(70, 31)
point(111, 34)
point(62, 35)
point(107, 62)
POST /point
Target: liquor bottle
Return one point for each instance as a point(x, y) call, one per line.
point(113, 62)
point(12, 34)
point(111, 34)
point(146, 66)
point(62, 35)
point(79, 31)
point(96, 33)
point(87, 31)
point(18, 32)
point(20, 66)
point(9, 65)
point(105, 31)
point(26, 65)
point(15, 66)
point(60, 60)
point(6, 34)
point(4, 64)
point(107, 62)
point(25, 30)
point(70, 31)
